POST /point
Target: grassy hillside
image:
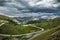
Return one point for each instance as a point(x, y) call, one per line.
point(10, 25)
point(54, 36)
point(50, 27)
point(46, 34)
point(8, 19)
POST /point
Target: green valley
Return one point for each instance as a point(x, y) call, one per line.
point(36, 30)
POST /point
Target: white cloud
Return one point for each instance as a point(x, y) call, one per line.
point(43, 3)
point(18, 7)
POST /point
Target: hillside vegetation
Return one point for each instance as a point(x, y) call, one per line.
point(50, 27)
point(10, 26)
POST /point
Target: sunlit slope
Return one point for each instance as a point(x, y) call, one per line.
point(51, 27)
point(10, 25)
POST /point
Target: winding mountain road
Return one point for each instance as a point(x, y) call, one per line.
point(38, 33)
point(2, 24)
point(30, 35)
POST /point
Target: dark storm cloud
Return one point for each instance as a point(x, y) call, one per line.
point(2, 2)
point(48, 6)
point(58, 0)
point(23, 7)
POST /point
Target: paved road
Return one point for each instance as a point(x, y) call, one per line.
point(22, 34)
point(2, 24)
point(38, 33)
point(29, 34)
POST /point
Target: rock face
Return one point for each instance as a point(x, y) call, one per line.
point(55, 36)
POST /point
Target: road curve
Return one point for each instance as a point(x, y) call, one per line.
point(2, 24)
point(36, 33)
point(24, 34)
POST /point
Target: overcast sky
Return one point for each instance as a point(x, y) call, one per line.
point(29, 7)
